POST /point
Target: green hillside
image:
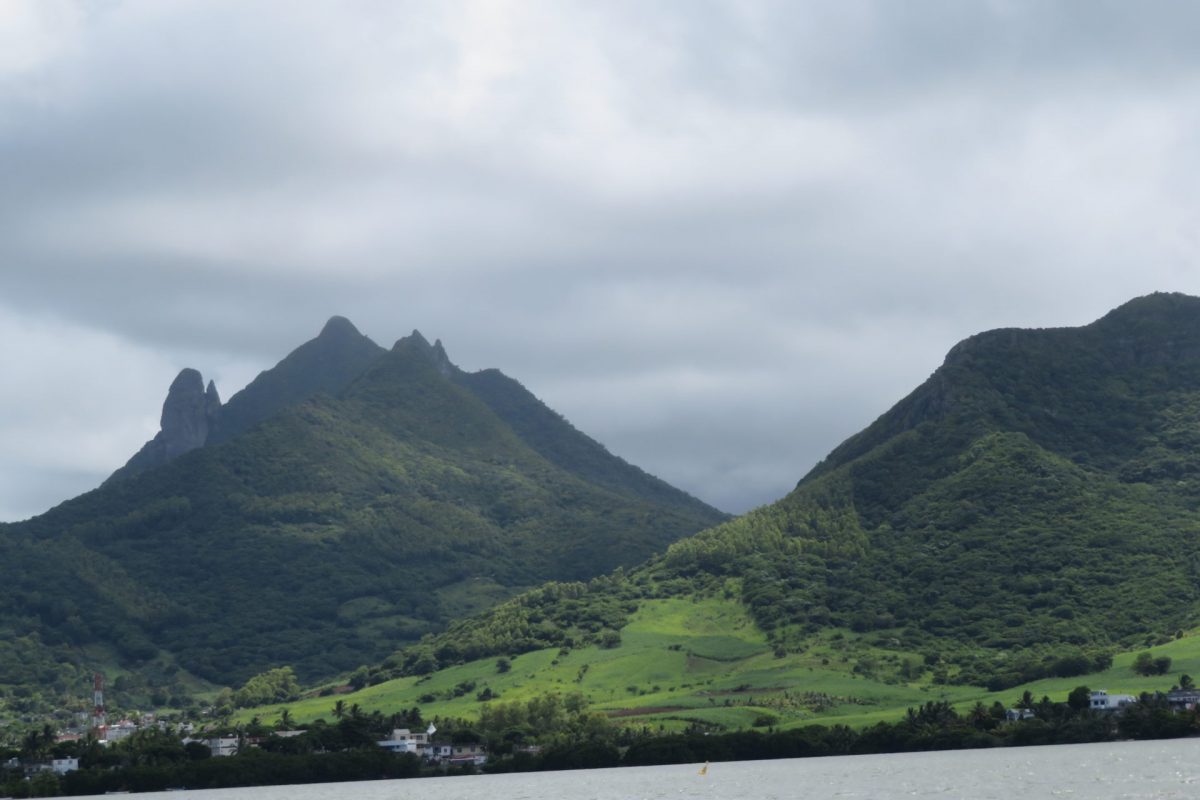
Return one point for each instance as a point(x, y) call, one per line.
point(325, 535)
point(1028, 512)
point(704, 662)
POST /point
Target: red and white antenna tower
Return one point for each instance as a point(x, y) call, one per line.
point(98, 697)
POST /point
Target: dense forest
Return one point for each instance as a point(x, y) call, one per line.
point(1025, 512)
point(325, 522)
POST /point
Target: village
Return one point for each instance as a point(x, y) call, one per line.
point(434, 752)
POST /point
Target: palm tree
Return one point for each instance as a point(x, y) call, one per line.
point(339, 709)
point(31, 745)
point(38, 743)
point(285, 720)
point(980, 717)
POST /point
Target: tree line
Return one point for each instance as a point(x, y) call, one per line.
point(555, 732)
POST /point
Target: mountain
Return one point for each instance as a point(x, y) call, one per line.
point(189, 414)
point(347, 501)
point(1036, 493)
point(193, 417)
point(1028, 510)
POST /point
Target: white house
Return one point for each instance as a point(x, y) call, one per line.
point(121, 730)
point(1101, 700)
point(222, 745)
point(403, 740)
point(61, 766)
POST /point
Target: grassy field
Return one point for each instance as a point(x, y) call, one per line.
point(682, 661)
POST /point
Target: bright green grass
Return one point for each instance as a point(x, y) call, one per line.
point(685, 661)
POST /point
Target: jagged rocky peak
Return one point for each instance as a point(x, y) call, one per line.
point(187, 414)
point(416, 339)
point(434, 352)
point(437, 354)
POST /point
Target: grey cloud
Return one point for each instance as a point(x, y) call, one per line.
point(30, 491)
point(720, 237)
point(874, 56)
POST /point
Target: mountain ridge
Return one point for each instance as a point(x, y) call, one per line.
point(935, 397)
point(326, 532)
point(1033, 501)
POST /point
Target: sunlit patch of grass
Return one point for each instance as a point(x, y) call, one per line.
point(664, 676)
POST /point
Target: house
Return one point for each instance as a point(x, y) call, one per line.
point(1101, 700)
point(456, 754)
point(222, 745)
point(403, 740)
point(61, 766)
point(466, 753)
point(121, 730)
point(217, 745)
point(1183, 699)
point(438, 751)
point(1018, 714)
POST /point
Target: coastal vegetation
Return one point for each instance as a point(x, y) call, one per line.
point(552, 732)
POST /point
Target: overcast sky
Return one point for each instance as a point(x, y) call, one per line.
point(719, 237)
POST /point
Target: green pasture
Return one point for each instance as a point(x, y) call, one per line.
point(685, 661)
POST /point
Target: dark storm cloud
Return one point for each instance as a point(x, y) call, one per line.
point(720, 237)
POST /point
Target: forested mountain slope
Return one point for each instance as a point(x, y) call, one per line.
point(327, 529)
point(1030, 507)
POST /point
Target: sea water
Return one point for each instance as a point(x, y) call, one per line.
point(1168, 769)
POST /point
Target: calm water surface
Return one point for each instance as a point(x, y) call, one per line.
point(1089, 772)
